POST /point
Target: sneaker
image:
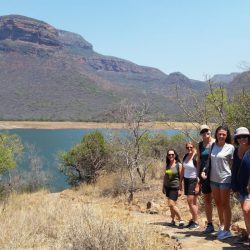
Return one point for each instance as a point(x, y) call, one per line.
point(194, 225)
point(172, 223)
point(224, 235)
point(209, 229)
point(189, 223)
point(181, 223)
point(243, 239)
point(220, 230)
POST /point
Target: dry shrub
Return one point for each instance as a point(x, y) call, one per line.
point(156, 170)
point(47, 221)
point(115, 184)
point(237, 214)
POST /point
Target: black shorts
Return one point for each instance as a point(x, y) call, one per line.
point(189, 186)
point(205, 186)
point(172, 194)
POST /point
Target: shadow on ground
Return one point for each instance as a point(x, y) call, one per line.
point(183, 234)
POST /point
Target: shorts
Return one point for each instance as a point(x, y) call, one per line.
point(205, 186)
point(243, 198)
point(220, 185)
point(189, 186)
point(172, 194)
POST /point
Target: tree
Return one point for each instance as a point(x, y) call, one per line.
point(85, 161)
point(132, 145)
point(10, 149)
point(215, 107)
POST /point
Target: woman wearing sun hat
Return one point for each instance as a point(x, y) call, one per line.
point(241, 176)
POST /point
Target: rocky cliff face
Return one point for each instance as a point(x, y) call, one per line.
point(53, 74)
point(28, 30)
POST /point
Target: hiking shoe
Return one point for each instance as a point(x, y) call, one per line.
point(209, 229)
point(194, 226)
point(172, 223)
point(224, 235)
point(220, 230)
point(189, 223)
point(181, 223)
point(243, 239)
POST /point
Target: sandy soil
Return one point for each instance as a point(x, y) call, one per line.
point(79, 125)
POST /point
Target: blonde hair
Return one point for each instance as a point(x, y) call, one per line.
point(194, 148)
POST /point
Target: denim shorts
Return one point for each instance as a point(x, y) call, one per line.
point(244, 197)
point(220, 185)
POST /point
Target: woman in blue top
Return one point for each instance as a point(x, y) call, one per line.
point(241, 176)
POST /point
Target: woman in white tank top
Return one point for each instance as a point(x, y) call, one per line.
point(191, 188)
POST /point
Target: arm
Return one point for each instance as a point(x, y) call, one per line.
point(163, 184)
point(198, 162)
point(181, 174)
point(248, 186)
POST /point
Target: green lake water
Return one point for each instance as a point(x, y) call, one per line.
point(48, 143)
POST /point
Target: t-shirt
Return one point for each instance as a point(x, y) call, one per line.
point(221, 157)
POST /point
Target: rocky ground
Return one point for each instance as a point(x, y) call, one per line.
point(150, 206)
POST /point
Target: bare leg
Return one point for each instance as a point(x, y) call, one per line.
point(246, 213)
point(208, 207)
point(225, 206)
point(217, 199)
point(174, 210)
point(193, 207)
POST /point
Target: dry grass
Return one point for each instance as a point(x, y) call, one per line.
point(71, 221)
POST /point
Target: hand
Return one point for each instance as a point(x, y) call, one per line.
point(163, 190)
point(197, 189)
point(248, 189)
point(179, 193)
point(203, 175)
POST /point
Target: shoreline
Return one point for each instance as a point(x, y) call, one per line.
point(89, 125)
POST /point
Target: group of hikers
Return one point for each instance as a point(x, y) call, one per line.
point(213, 168)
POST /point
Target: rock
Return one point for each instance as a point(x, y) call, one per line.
point(28, 30)
point(152, 207)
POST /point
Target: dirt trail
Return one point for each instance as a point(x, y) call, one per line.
point(189, 239)
point(158, 217)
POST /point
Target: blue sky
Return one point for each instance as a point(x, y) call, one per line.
point(196, 37)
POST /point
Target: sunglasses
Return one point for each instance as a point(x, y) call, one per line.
point(170, 154)
point(242, 136)
point(189, 147)
point(204, 131)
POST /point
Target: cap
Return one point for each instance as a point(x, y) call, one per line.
point(204, 126)
point(241, 131)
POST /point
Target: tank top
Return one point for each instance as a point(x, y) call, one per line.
point(204, 153)
point(172, 177)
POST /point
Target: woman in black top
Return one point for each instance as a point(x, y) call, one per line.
point(203, 153)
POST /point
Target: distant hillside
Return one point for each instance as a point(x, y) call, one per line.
point(241, 81)
point(224, 78)
point(50, 74)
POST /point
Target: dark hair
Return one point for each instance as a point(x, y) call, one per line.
point(176, 156)
point(223, 127)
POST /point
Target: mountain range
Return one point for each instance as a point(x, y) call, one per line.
point(51, 74)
